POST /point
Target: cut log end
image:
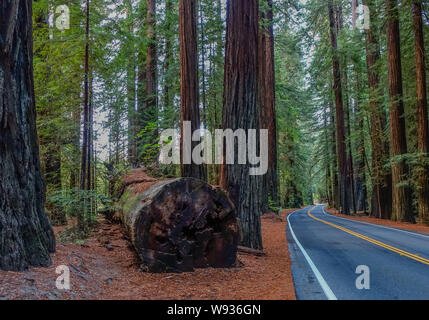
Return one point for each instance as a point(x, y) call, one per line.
point(179, 225)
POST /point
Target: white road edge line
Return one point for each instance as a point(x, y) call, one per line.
point(326, 289)
point(375, 225)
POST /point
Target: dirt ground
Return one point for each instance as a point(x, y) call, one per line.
point(105, 267)
point(399, 225)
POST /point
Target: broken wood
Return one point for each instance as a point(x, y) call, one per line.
point(182, 224)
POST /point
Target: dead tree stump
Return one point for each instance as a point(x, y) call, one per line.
point(182, 224)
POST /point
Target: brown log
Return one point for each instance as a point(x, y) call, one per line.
point(182, 224)
point(250, 251)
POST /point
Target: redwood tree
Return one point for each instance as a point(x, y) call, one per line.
point(85, 176)
point(343, 168)
point(267, 100)
point(189, 89)
point(131, 91)
point(401, 196)
point(26, 236)
point(381, 198)
point(241, 111)
point(150, 113)
point(422, 115)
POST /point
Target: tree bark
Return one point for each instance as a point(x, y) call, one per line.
point(189, 89)
point(422, 115)
point(26, 236)
point(401, 196)
point(179, 225)
point(334, 159)
point(86, 160)
point(360, 179)
point(267, 99)
point(343, 174)
point(241, 111)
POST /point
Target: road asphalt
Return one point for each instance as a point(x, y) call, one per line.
point(340, 259)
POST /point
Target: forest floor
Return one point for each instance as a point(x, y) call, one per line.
point(106, 267)
point(421, 228)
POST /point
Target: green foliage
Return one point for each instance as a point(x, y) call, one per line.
point(273, 206)
point(75, 200)
point(149, 151)
point(304, 94)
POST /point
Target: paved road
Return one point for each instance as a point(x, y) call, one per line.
point(327, 250)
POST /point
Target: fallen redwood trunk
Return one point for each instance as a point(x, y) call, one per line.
point(182, 224)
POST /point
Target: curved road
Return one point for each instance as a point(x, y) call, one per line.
point(326, 252)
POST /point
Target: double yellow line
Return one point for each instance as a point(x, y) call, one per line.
point(378, 243)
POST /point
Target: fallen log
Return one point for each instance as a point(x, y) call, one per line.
point(250, 251)
point(182, 224)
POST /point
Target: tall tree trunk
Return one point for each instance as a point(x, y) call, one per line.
point(90, 152)
point(267, 108)
point(328, 185)
point(334, 159)
point(131, 92)
point(75, 137)
point(401, 196)
point(85, 163)
point(346, 99)
point(422, 115)
point(168, 95)
point(360, 180)
point(343, 174)
point(381, 198)
point(26, 236)
point(141, 114)
point(189, 89)
point(203, 64)
point(349, 144)
point(151, 109)
point(241, 111)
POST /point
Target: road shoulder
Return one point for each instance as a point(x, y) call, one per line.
point(417, 228)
